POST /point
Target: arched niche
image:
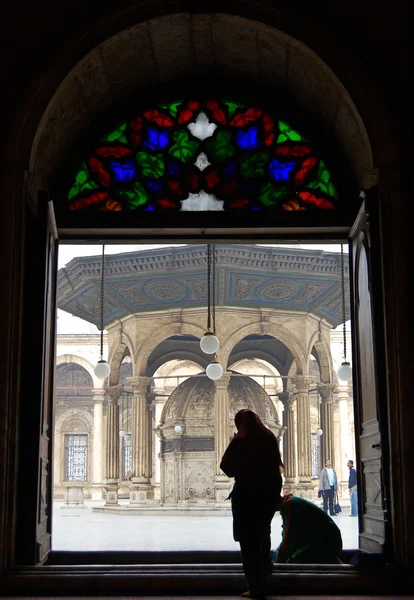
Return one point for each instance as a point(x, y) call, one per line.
point(82, 362)
point(179, 45)
point(73, 382)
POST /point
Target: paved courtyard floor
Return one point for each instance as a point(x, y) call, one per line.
point(84, 529)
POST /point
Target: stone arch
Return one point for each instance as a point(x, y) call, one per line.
point(116, 356)
point(75, 413)
point(163, 333)
point(79, 360)
point(179, 45)
point(251, 354)
point(324, 358)
point(279, 332)
point(178, 355)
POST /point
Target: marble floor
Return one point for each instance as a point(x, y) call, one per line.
point(83, 529)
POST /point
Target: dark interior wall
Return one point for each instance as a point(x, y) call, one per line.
point(365, 43)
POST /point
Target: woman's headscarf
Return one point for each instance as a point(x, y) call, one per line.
point(253, 455)
point(248, 423)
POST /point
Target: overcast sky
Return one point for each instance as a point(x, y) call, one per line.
point(69, 324)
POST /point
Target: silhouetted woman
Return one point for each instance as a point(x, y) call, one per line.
point(253, 459)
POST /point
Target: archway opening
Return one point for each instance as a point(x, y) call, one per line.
point(267, 334)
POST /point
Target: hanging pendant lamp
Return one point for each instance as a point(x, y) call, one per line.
point(214, 370)
point(344, 372)
point(209, 343)
point(102, 369)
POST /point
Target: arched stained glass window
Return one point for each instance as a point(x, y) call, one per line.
point(209, 155)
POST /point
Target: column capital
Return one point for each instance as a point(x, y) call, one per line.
point(302, 383)
point(139, 384)
point(98, 395)
point(223, 382)
point(113, 394)
point(326, 391)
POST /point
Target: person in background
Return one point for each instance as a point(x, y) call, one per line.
point(352, 486)
point(309, 535)
point(253, 459)
point(328, 486)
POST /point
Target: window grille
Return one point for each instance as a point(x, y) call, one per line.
point(76, 457)
point(127, 454)
point(315, 456)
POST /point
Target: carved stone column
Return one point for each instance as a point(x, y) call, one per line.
point(340, 464)
point(221, 434)
point(159, 402)
point(304, 485)
point(98, 398)
point(142, 491)
point(112, 447)
point(327, 439)
point(289, 440)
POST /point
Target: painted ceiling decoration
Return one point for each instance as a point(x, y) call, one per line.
point(247, 276)
point(203, 155)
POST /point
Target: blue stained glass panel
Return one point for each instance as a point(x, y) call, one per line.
point(156, 187)
point(157, 140)
point(280, 171)
point(230, 168)
point(124, 171)
point(248, 140)
point(175, 168)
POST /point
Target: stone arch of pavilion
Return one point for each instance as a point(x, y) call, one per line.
point(117, 354)
point(252, 354)
point(163, 333)
point(177, 355)
point(277, 331)
point(323, 356)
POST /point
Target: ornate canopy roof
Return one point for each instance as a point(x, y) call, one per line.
point(246, 276)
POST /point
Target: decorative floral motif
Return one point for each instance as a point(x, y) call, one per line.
point(222, 154)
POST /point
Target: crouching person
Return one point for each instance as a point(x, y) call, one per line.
point(309, 534)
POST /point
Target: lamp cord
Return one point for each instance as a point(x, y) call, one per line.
point(102, 296)
point(208, 287)
point(214, 287)
point(343, 297)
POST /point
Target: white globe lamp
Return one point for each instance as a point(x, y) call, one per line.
point(344, 372)
point(214, 370)
point(122, 433)
point(102, 369)
point(319, 431)
point(178, 429)
point(209, 343)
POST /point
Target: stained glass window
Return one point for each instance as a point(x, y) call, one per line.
point(203, 155)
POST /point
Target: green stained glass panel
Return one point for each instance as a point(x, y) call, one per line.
point(135, 195)
point(184, 148)
point(323, 181)
point(286, 133)
point(221, 147)
point(117, 135)
point(254, 165)
point(171, 107)
point(271, 195)
point(232, 107)
point(152, 164)
point(82, 182)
